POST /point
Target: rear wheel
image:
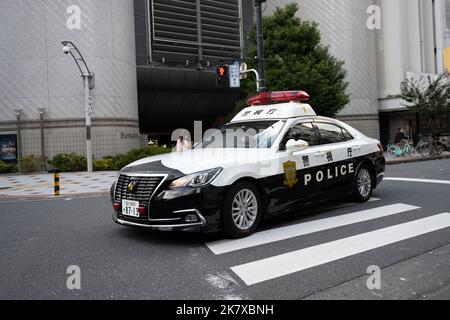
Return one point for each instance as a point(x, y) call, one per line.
point(242, 211)
point(424, 149)
point(363, 184)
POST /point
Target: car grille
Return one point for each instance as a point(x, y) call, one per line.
point(145, 188)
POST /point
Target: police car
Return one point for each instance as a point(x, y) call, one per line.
point(275, 156)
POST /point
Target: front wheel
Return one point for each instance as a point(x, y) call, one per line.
point(363, 184)
point(242, 211)
point(392, 152)
point(412, 152)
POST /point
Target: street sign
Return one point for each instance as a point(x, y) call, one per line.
point(235, 75)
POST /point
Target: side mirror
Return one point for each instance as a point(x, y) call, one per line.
point(296, 145)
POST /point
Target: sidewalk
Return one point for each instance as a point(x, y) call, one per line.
point(401, 160)
point(41, 186)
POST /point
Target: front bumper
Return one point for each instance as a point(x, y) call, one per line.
point(182, 209)
point(194, 226)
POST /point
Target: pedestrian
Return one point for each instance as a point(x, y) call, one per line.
point(183, 144)
point(400, 136)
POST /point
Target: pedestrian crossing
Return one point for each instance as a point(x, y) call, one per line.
point(270, 268)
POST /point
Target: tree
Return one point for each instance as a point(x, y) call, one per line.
point(430, 98)
point(295, 60)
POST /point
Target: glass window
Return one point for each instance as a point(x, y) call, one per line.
point(331, 133)
point(302, 131)
point(249, 135)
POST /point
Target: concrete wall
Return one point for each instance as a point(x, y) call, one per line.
point(36, 74)
point(344, 29)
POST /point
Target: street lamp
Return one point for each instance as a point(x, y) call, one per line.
point(89, 83)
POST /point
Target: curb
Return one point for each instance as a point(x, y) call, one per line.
point(413, 160)
point(62, 197)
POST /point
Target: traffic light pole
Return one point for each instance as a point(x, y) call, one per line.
point(260, 44)
point(257, 77)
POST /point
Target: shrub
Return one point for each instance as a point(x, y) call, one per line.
point(71, 162)
point(120, 161)
point(31, 164)
point(105, 164)
point(7, 168)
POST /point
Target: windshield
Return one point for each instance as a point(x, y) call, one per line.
point(248, 135)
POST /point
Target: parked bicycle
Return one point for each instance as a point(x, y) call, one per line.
point(429, 147)
point(401, 150)
point(424, 147)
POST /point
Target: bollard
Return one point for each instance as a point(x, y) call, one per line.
point(57, 184)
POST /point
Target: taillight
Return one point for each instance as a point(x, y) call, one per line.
point(142, 210)
point(116, 206)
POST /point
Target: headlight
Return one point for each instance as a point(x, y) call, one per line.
point(198, 179)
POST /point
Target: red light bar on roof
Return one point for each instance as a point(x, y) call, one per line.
point(278, 97)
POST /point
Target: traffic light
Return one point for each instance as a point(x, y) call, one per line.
point(223, 76)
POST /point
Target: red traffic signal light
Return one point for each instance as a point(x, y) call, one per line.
point(221, 71)
point(222, 76)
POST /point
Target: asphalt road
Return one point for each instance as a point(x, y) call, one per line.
point(39, 240)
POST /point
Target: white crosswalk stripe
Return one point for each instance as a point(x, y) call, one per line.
point(418, 180)
point(284, 264)
point(274, 235)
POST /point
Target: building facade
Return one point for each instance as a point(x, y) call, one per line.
point(154, 63)
point(409, 40)
point(153, 60)
point(342, 24)
point(179, 44)
point(416, 50)
point(36, 74)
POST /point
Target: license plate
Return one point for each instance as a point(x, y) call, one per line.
point(130, 208)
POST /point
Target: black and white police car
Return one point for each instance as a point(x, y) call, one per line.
point(275, 156)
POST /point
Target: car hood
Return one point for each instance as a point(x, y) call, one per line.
point(191, 161)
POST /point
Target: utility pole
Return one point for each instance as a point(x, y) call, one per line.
point(19, 138)
point(41, 121)
point(260, 45)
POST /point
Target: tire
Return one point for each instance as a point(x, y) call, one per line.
point(234, 219)
point(424, 149)
point(363, 184)
point(391, 153)
point(413, 152)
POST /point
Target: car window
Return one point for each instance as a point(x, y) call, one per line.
point(331, 133)
point(302, 131)
point(347, 135)
point(249, 135)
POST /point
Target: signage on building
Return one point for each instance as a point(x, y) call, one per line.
point(235, 75)
point(129, 135)
point(8, 147)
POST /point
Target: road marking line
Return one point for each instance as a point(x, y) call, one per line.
point(278, 266)
point(418, 180)
point(278, 234)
